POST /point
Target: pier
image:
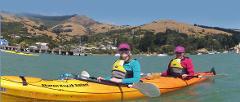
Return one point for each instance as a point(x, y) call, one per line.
point(43, 51)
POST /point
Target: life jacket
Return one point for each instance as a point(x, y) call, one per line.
point(118, 70)
point(175, 68)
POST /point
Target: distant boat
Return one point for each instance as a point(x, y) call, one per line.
point(199, 53)
point(162, 55)
point(211, 53)
point(147, 54)
point(82, 54)
point(117, 55)
point(79, 54)
point(225, 51)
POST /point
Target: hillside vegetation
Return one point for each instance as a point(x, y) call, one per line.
point(155, 37)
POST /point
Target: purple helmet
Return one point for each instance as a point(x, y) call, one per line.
point(180, 49)
point(124, 46)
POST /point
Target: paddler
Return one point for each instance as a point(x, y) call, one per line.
point(125, 70)
point(180, 66)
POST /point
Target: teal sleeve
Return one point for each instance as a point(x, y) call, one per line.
point(136, 74)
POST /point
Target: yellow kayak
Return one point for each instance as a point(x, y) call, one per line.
point(19, 53)
point(33, 88)
point(8, 51)
point(25, 54)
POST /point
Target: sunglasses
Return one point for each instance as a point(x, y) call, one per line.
point(121, 51)
point(124, 49)
point(178, 52)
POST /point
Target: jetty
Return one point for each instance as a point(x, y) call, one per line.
point(44, 51)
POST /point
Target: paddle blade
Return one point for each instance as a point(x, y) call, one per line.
point(147, 89)
point(213, 71)
point(84, 75)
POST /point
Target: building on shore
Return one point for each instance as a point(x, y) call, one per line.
point(3, 42)
point(42, 45)
point(77, 51)
point(237, 48)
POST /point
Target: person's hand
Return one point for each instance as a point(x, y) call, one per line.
point(153, 75)
point(184, 76)
point(130, 85)
point(100, 78)
point(116, 80)
point(149, 74)
point(199, 76)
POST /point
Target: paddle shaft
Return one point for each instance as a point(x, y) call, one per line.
point(147, 89)
point(108, 81)
point(207, 76)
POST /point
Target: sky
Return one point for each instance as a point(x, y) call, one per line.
point(221, 13)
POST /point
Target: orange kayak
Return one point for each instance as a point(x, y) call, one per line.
point(167, 84)
point(32, 88)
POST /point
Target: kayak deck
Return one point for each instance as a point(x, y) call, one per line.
point(19, 53)
point(85, 90)
point(167, 84)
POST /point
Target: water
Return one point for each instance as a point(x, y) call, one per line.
point(220, 89)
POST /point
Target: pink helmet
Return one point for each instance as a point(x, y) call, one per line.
point(124, 46)
point(180, 49)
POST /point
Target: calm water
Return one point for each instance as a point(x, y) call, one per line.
point(220, 89)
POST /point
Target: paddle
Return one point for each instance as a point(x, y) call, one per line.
point(195, 76)
point(207, 76)
point(147, 89)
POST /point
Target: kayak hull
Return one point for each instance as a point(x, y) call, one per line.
point(83, 90)
point(167, 84)
point(62, 90)
point(19, 53)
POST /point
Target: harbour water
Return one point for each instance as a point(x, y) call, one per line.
point(220, 89)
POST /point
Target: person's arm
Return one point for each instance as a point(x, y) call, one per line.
point(136, 74)
point(164, 73)
point(190, 67)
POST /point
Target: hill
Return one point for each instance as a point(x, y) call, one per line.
point(163, 25)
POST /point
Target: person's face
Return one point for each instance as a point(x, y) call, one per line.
point(179, 54)
point(124, 54)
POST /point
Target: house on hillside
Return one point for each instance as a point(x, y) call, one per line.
point(42, 45)
point(15, 36)
point(111, 47)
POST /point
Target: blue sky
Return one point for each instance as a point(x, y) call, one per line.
point(222, 13)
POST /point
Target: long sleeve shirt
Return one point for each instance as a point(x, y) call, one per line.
point(134, 67)
point(186, 63)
